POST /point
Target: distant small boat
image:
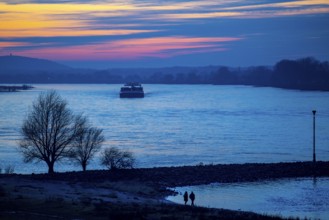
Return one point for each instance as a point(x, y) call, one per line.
point(132, 90)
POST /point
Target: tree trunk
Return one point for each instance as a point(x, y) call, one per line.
point(50, 167)
point(84, 166)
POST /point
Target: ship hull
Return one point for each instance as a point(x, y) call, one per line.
point(131, 95)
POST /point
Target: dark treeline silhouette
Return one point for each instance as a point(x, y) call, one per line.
point(304, 74)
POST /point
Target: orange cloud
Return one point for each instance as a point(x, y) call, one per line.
point(80, 19)
point(53, 20)
point(54, 32)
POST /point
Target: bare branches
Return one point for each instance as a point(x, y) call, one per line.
point(49, 130)
point(87, 144)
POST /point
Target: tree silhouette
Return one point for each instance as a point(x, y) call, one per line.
point(49, 130)
point(86, 145)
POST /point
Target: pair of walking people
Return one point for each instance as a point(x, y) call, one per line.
point(192, 197)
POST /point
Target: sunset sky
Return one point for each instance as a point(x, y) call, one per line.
point(154, 33)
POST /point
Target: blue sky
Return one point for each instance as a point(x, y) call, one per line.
point(148, 33)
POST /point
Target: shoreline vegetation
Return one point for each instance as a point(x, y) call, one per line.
point(135, 193)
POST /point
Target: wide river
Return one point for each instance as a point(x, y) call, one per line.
point(183, 124)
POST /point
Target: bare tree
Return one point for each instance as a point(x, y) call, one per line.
point(113, 158)
point(86, 145)
point(49, 130)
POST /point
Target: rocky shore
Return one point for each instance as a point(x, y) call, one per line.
point(201, 174)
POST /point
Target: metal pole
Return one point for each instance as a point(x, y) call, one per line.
point(314, 157)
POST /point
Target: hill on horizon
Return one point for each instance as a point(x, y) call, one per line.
point(13, 64)
point(19, 69)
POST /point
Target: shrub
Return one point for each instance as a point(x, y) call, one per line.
point(113, 158)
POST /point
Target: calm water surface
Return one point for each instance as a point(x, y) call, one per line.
point(301, 198)
point(184, 124)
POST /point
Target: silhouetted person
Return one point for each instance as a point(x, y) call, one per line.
point(185, 197)
point(192, 197)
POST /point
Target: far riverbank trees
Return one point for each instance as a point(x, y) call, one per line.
point(303, 74)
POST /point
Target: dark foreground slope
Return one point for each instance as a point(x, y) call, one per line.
point(52, 209)
point(133, 194)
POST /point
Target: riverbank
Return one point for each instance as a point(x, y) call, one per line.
point(22, 197)
point(132, 194)
point(4, 88)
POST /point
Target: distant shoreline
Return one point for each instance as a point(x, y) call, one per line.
point(307, 74)
point(12, 88)
point(9, 88)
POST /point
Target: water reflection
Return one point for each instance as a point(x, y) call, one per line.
point(302, 197)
